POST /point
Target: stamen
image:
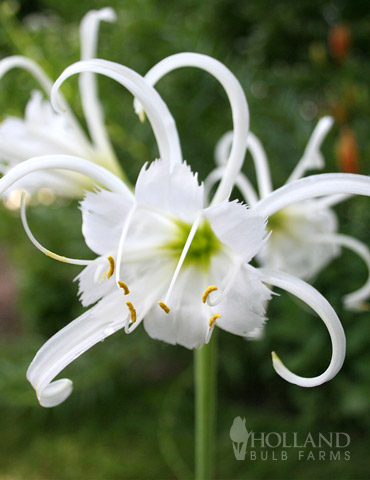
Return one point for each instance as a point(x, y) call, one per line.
point(132, 311)
point(45, 251)
point(124, 287)
point(164, 307)
point(213, 319)
point(122, 240)
point(184, 252)
point(207, 291)
point(111, 266)
point(98, 277)
point(224, 290)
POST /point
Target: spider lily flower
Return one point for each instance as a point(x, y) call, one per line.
point(305, 235)
point(192, 273)
point(42, 131)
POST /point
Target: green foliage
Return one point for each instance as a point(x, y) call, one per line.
point(131, 388)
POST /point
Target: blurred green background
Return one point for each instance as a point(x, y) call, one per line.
point(131, 413)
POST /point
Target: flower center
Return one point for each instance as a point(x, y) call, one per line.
point(277, 221)
point(205, 244)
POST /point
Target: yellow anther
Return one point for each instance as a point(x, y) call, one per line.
point(124, 287)
point(207, 291)
point(213, 319)
point(132, 311)
point(111, 266)
point(164, 307)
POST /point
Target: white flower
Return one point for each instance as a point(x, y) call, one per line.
point(304, 235)
point(165, 258)
point(42, 131)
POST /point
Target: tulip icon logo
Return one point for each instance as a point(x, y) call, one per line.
point(239, 436)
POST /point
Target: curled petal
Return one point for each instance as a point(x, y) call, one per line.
point(355, 300)
point(312, 157)
point(93, 326)
point(260, 164)
point(162, 122)
point(311, 187)
point(329, 201)
point(321, 306)
point(237, 100)
point(18, 61)
point(88, 88)
point(222, 149)
point(89, 30)
point(242, 183)
point(65, 162)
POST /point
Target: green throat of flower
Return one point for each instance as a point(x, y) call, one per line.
point(205, 244)
point(278, 221)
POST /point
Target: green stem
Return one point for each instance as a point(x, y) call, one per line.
point(205, 402)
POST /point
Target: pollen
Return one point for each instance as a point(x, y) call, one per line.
point(213, 319)
point(207, 291)
point(132, 311)
point(111, 267)
point(164, 307)
point(124, 287)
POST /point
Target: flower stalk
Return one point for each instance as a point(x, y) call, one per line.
point(205, 376)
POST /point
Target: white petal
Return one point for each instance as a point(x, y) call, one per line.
point(237, 227)
point(312, 157)
point(18, 61)
point(161, 120)
point(242, 183)
point(41, 132)
point(187, 322)
point(222, 148)
point(330, 201)
point(320, 305)
point(90, 290)
point(355, 300)
point(93, 326)
point(64, 162)
point(238, 103)
point(177, 193)
point(88, 87)
point(89, 30)
point(103, 214)
point(292, 246)
point(310, 187)
point(244, 307)
point(260, 164)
